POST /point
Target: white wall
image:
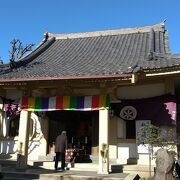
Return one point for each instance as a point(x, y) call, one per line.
point(11, 147)
point(141, 91)
point(36, 145)
point(126, 151)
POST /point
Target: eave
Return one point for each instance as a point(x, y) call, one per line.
point(162, 71)
point(94, 77)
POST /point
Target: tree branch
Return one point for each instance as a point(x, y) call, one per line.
point(18, 51)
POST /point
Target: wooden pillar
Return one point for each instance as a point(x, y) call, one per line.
point(103, 140)
point(1, 123)
point(169, 86)
point(23, 139)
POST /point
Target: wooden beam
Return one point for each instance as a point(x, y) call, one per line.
point(134, 78)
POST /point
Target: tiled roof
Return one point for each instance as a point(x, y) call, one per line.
point(96, 54)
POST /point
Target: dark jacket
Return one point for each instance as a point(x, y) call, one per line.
point(61, 143)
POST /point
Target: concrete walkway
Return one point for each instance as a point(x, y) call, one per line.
point(11, 173)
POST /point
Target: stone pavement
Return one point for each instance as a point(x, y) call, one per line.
point(11, 173)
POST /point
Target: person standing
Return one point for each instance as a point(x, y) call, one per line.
point(60, 149)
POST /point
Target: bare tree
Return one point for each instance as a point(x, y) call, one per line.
point(18, 51)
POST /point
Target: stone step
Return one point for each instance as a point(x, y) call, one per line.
point(114, 167)
point(19, 176)
point(84, 167)
point(14, 178)
point(49, 157)
point(67, 175)
point(5, 162)
point(142, 170)
point(77, 166)
point(132, 161)
point(84, 175)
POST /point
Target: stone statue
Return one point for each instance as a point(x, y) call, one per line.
point(164, 165)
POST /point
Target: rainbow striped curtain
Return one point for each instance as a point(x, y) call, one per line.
point(78, 103)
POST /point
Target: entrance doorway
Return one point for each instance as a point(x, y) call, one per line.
point(82, 129)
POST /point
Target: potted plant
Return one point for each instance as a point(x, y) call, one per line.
point(104, 152)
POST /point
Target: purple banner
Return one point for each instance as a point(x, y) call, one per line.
point(11, 109)
point(160, 110)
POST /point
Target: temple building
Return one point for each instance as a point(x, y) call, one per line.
point(100, 87)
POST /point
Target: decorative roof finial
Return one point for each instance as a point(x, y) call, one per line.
point(1, 61)
point(163, 22)
point(46, 35)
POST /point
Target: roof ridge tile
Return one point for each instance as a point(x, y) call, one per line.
point(157, 27)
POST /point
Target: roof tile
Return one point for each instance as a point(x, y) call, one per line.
point(96, 54)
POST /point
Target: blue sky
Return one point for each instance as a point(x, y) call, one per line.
point(28, 20)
